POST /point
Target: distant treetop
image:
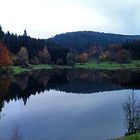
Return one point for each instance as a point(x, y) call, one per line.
point(25, 33)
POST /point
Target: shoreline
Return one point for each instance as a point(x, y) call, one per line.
point(91, 65)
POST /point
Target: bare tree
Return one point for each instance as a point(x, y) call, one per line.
point(131, 110)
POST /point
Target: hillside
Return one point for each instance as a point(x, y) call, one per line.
point(82, 40)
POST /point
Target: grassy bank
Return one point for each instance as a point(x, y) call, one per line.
point(18, 70)
point(108, 66)
point(41, 66)
point(88, 65)
point(131, 137)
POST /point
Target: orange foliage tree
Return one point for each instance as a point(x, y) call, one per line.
point(44, 56)
point(82, 58)
point(5, 59)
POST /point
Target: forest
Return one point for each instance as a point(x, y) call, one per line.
point(82, 40)
point(67, 49)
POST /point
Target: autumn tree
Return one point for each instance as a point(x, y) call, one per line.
point(5, 59)
point(104, 56)
point(34, 60)
point(71, 58)
point(44, 56)
point(22, 57)
point(14, 59)
point(82, 58)
point(114, 48)
point(94, 52)
point(59, 61)
point(134, 47)
point(123, 56)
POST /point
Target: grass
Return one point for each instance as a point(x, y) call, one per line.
point(41, 66)
point(108, 66)
point(46, 66)
point(88, 65)
point(131, 137)
point(18, 70)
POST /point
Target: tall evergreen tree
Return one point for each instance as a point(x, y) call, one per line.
point(1, 33)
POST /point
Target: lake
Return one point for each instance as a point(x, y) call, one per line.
point(66, 104)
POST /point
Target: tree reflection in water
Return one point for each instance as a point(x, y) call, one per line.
point(16, 134)
point(131, 109)
point(17, 87)
point(80, 81)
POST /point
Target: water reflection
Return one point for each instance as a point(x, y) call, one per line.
point(54, 114)
point(16, 134)
point(72, 81)
point(57, 115)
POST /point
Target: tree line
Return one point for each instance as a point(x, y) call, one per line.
point(23, 50)
point(82, 40)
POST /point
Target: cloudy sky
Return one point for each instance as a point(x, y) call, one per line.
point(45, 18)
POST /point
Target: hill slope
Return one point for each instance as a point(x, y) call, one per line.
point(82, 40)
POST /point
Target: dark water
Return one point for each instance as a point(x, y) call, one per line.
point(66, 104)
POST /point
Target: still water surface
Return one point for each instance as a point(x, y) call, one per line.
point(54, 105)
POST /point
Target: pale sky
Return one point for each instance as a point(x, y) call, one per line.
point(46, 18)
